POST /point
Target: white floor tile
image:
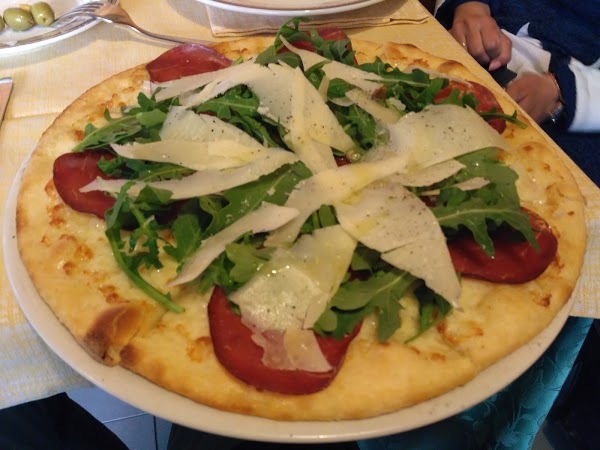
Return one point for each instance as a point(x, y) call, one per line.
point(137, 432)
point(102, 405)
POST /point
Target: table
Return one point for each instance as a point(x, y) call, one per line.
point(47, 79)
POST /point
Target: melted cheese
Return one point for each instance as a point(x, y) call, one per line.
point(267, 217)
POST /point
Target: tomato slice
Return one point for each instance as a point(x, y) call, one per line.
point(514, 261)
point(486, 100)
point(72, 171)
point(237, 352)
point(185, 60)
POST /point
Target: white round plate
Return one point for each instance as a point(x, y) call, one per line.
point(290, 7)
point(155, 400)
point(38, 36)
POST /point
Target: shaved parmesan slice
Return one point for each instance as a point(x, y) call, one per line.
point(327, 188)
point(274, 353)
point(291, 349)
point(388, 218)
point(367, 81)
point(287, 97)
point(204, 182)
point(177, 87)
point(222, 154)
point(303, 351)
point(246, 74)
point(299, 107)
point(429, 175)
point(316, 156)
point(292, 289)
point(377, 110)
point(267, 217)
point(197, 141)
point(186, 125)
point(467, 185)
point(437, 134)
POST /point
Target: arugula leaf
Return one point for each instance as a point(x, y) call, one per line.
point(130, 258)
point(239, 106)
point(262, 130)
point(272, 55)
point(338, 88)
point(337, 50)
point(291, 32)
point(512, 118)
point(358, 124)
point(354, 300)
point(321, 218)
point(274, 188)
point(432, 309)
point(483, 209)
point(247, 260)
point(238, 99)
point(188, 236)
point(140, 124)
point(135, 169)
point(315, 74)
point(236, 265)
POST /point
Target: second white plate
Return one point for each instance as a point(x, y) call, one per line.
point(19, 41)
point(290, 7)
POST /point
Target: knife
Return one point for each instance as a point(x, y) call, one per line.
point(5, 90)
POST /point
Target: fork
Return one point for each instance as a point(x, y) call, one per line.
point(108, 12)
point(79, 11)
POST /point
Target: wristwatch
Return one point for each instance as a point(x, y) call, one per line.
point(557, 112)
point(555, 115)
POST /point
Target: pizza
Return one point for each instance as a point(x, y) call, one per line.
point(300, 228)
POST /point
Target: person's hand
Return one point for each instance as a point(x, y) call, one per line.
point(537, 94)
point(475, 29)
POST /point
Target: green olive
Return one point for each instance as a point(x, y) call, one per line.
point(42, 13)
point(1, 23)
point(18, 19)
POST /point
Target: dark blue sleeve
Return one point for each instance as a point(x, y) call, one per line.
point(559, 66)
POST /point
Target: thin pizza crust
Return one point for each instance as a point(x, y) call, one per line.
point(68, 259)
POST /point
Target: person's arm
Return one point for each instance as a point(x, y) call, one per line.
point(537, 94)
point(577, 89)
point(473, 26)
